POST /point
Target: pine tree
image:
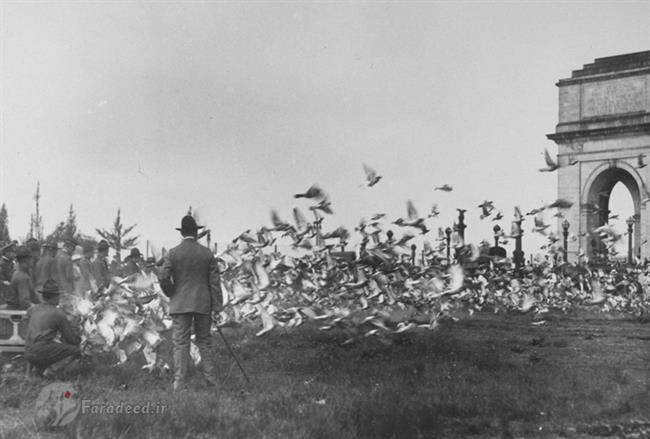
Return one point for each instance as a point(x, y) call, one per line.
point(70, 231)
point(4, 225)
point(36, 221)
point(66, 230)
point(116, 237)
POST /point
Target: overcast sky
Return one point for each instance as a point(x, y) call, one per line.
point(232, 108)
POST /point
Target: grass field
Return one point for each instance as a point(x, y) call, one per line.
point(497, 376)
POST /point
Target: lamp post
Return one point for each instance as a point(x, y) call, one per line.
point(496, 230)
point(448, 233)
point(630, 228)
point(461, 224)
point(518, 254)
point(565, 235)
point(413, 247)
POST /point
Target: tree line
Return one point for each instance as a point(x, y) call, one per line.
point(118, 236)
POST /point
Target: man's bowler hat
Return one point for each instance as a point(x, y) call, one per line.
point(188, 225)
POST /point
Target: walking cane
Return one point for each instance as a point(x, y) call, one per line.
point(233, 355)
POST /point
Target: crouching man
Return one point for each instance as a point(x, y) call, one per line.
point(46, 322)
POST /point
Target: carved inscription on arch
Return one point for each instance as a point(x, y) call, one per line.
point(616, 96)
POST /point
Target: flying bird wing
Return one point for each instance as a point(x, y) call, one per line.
point(301, 222)
point(275, 219)
point(412, 213)
point(370, 173)
point(549, 161)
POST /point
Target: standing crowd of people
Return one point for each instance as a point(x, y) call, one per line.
point(77, 269)
point(38, 277)
point(189, 276)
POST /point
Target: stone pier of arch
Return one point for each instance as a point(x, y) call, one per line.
point(602, 134)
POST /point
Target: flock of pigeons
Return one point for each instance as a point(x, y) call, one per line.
point(380, 292)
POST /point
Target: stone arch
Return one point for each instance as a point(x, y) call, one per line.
point(596, 195)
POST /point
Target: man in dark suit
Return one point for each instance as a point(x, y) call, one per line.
point(22, 294)
point(99, 266)
point(46, 265)
point(64, 270)
point(190, 278)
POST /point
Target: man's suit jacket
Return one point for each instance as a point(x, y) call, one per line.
point(100, 271)
point(45, 269)
point(190, 277)
point(64, 272)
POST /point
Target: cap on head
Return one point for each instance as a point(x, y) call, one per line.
point(188, 225)
point(78, 253)
point(102, 245)
point(135, 253)
point(50, 287)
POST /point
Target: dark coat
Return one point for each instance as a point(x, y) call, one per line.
point(46, 321)
point(45, 269)
point(100, 271)
point(190, 277)
point(22, 293)
point(64, 272)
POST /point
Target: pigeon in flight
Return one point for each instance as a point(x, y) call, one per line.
point(551, 165)
point(518, 215)
point(486, 208)
point(540, 226)
point(560, 203)
point(444, 188)
point(371, 175)
point(434, 211)
point(313, 192)
point(413, 219)
point(325, 205)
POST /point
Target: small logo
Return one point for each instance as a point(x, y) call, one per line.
point(57, 405)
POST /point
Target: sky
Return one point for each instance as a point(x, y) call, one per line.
point(231, 108)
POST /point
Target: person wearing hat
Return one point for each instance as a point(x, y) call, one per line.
point(35, 249)
point(45, 323)
point(46, 267)
point(64, 270)
point(190, 278)
point(21, 290)
point(150, 266)
point(99, 266)
point(8, 254)
point(133, 263)
point(81, 267)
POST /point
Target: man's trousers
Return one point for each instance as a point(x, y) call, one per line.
point(181, 330)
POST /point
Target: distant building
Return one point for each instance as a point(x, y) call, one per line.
point(603, 137)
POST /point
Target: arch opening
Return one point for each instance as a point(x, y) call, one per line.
point(614, 196)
